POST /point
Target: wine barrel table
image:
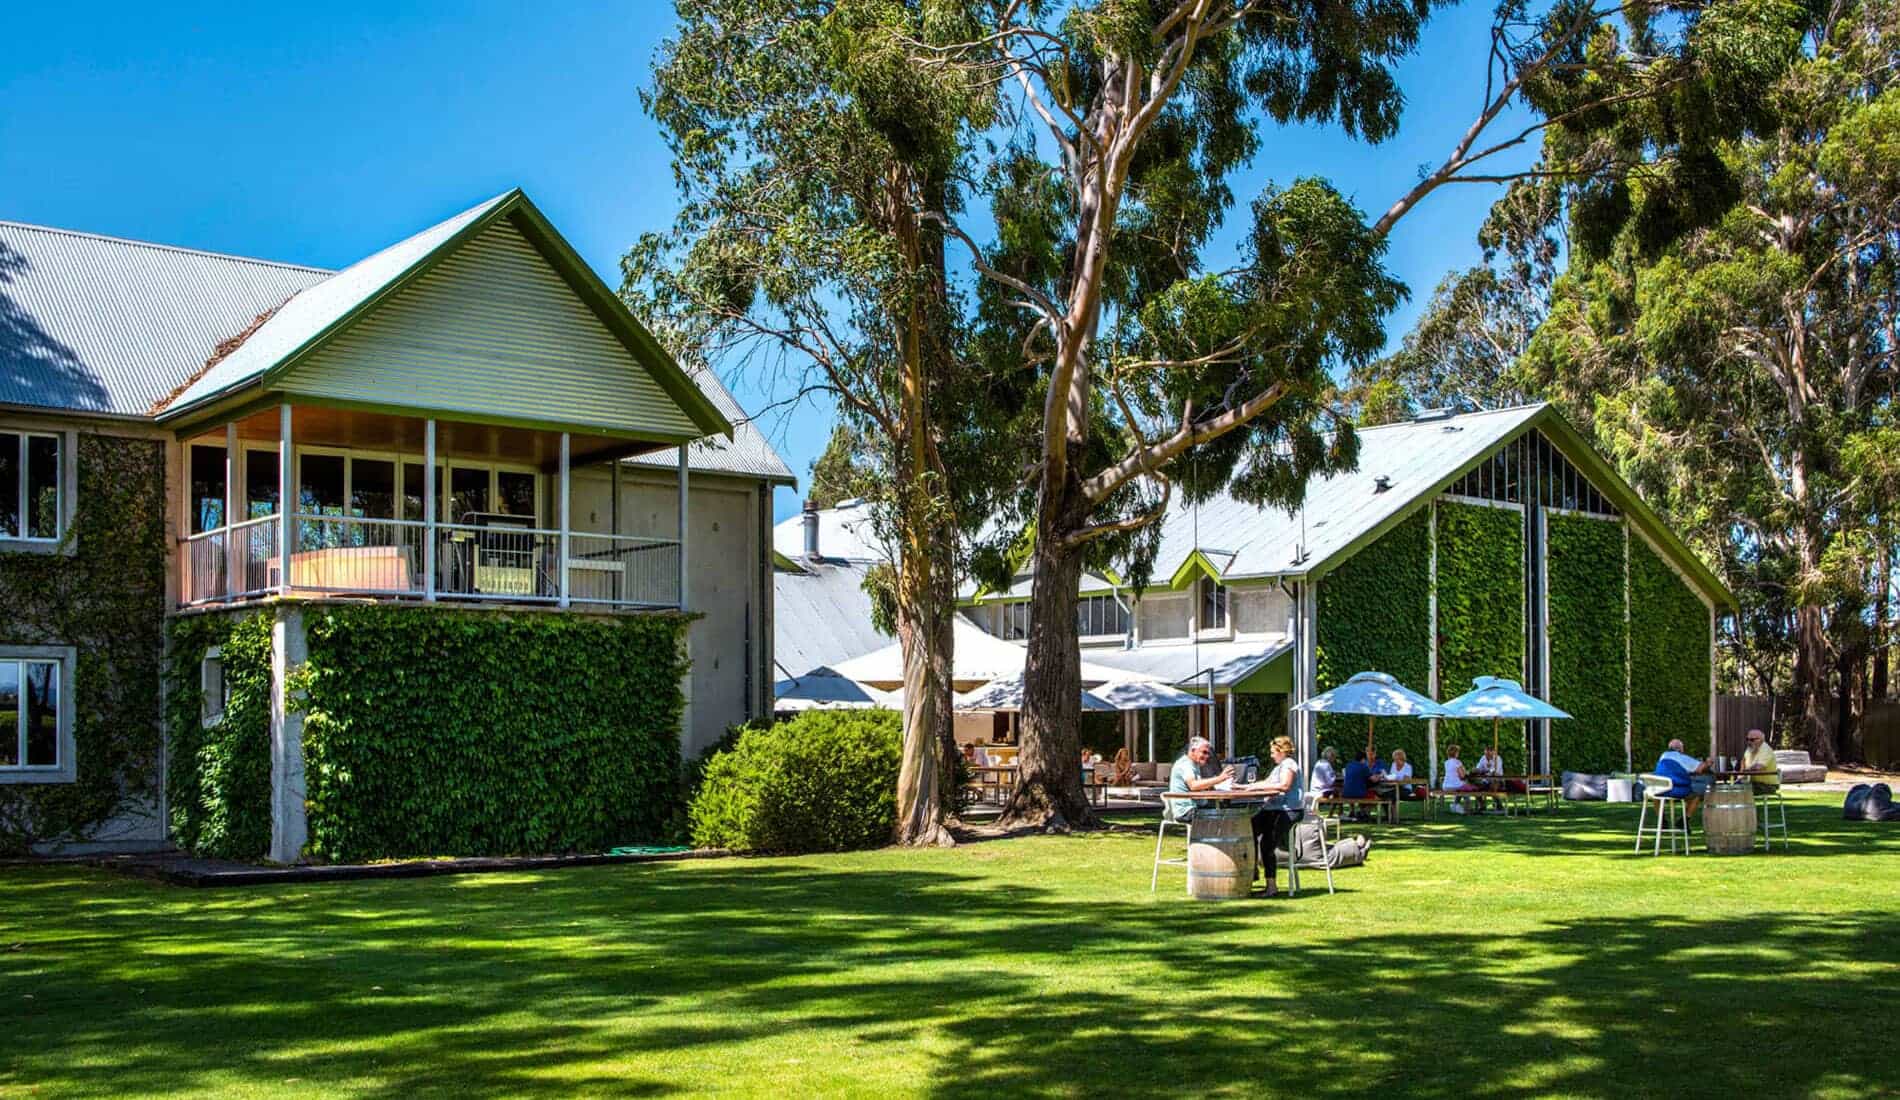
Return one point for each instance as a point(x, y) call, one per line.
point(1221, 856)
point(1728, 819)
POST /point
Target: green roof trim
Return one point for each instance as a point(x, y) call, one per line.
point(1194, 562)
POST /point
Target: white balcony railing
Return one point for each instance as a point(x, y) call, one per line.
point(352, 555)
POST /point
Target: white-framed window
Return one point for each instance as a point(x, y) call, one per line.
point(32, 486)
point(36, 714)
point(1100, 616)
point(1014, 618)
point(1213, 605)
point(212, 685)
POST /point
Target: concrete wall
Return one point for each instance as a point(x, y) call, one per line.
point(729, 582)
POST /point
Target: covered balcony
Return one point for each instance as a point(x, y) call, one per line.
point(387, 506)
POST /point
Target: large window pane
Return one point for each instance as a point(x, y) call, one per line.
point(468, 492)
point(373, 488)
point(207, 488)
point(9, 714)
point(412, 490)
point(42, 486)
point(10, 446)
point(42, 713)
point(517, 493)
point(320, 485)
point(260, 484)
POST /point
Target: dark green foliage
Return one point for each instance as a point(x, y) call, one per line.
point(1480, 616)
point(1375, 615)
point(1584, 587)
point(431, 731)
point(218, 782)
point(107, 600)
point(1669, 660)
point(824, 781)
point(1102, 732)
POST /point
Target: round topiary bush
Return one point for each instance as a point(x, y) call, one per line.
point(824, 781)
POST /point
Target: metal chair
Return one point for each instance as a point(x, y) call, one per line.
point(1763, 801)
point(1187, 829)
point(1656, 789)
point(1309, 805)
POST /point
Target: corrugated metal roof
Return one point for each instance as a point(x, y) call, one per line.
point(747, 453)
point(822, 617)
point(105, 325)
point(317, 308)
point(1231, 662)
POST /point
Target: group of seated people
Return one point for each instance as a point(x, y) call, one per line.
point(1360, 777)
point(1689, 779)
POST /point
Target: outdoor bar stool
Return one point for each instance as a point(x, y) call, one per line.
point(1763, 803)
point(1655, 789)
point(1187, 829)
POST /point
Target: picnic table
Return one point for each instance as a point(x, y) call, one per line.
point(995, 779)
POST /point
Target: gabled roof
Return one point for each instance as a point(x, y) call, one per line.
point(107, 326)
point(315, 315)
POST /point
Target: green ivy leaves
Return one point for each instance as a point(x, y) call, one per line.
point(1481, 630)
point(1669, 659)
point(1375, 613)
point(1584, 590)
point(824, 781)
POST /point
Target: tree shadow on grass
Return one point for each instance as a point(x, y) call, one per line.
point(536, 985)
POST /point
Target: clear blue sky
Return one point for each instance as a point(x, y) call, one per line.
point(320, 133)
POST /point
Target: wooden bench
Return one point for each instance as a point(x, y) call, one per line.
point(1365, 801)
point(1436, 795)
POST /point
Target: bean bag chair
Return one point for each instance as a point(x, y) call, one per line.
point(1584, 787)
point(1870, 803)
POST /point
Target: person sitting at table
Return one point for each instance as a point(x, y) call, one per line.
point(1357, 782)
point(1285, 805)
point(1759, 761)
point(1454, 778)
point(1124, 769)
point(1326, 772)
point(1398, 771)
point(1490, 765)
point(1190, 774)
point(1688, 777)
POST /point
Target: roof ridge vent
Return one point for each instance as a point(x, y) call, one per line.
point(1442, 412)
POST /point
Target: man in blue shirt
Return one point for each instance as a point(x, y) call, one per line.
point(1357, 782)
point(1681, 769)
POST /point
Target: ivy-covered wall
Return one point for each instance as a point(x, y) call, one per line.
point(219, 779)
point(1480, 617)
point(1375, 613)
point(431, 731)
point(106, 598)
point(1584, 593)
point(1669, 660)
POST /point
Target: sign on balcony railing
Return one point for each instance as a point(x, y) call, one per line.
point(352, 555)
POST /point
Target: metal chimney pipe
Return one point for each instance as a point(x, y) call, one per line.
point(811, 531)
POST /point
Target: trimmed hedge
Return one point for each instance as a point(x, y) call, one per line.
point(219, 781)
point(106, 599)
point(431, 731)
point(1669, 659)
point(1375, 614)
point(823, 781)
point(1584, 589)
point(1480, 616)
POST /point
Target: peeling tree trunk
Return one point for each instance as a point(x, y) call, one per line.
point(1049, 790)
point(924, 777)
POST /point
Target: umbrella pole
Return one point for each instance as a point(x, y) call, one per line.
point(1369, 720)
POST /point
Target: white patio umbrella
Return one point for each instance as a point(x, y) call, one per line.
point(1375, 695)
point(824, 689)
point(979, 658)
point(1498, 699)
point(1006, 694)
point(1133, 694)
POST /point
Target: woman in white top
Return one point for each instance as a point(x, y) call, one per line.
point(1326, 772)
point(1285, 805)
point(1399, 771)
point(1454, 779)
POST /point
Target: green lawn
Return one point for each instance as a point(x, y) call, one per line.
point(1478, 957)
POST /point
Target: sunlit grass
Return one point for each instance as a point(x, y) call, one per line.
point(1468, 958)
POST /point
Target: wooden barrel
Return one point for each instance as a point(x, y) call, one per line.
point(1220, 853)
point(1728, 819)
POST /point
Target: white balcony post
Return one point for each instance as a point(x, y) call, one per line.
point(286, 495)
point(233, 561)
point(619, 551)
point(428, 509)
point(682, 529)
point(566, 497)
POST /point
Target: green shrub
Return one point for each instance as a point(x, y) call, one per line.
point(824, 781)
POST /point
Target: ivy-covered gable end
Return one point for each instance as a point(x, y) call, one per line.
point(1588, 640)
point(1375, 613)
point(101, 592)
point(1669, 659)
point(1480, 618)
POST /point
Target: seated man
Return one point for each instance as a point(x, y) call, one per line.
point(1189, 774)
point(1357, 782)
point(1759, 760)
point(1326, 772)
point(1681, 770)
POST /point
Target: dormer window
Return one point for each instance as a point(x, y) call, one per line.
point(1213, 605)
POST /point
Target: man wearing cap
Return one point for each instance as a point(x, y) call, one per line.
point(1758, 760)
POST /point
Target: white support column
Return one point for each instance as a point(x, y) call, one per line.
point(566, 508)
point(1233, 740)
point(683, 527)
point(233, 561)
point(1151, 736)
point(613, 482)
point(286, 494)
point(1431, 641)
point(428, 510)
point(289, 825)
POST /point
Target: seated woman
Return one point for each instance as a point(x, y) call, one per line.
point(1399, 771)
point(1285, 805)
point(1124, 770)
point(1326, 772)
point(1455, 778)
